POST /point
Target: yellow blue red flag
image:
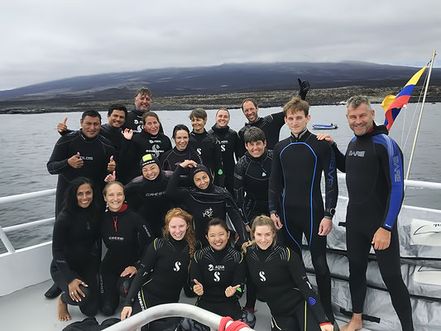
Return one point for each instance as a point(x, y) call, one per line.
point(392, 104)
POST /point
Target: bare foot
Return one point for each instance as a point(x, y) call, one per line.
point(63, 313)
point(352, 326)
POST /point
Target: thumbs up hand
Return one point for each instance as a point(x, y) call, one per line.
point(111, 166)
point(62, 126)
point(75, 161)
point(231, 290)
point(198, 288)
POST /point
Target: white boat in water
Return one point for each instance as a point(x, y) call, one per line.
point(24, 277)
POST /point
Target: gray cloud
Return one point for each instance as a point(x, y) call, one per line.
point(45, 40)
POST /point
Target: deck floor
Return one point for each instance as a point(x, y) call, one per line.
point(27, 309)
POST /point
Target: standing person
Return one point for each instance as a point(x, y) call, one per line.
point(374, 177)
point(81, 153)
point(125, 236)
point(76, 249)
point(295, 198)
point(167, 260)
point(203, 143)
point(270, 124)
point(251, 178)
point(146, 194)
point(149, 140)
point(217, 272)
point(112, 131)
point(182, 151)
point(281, 282)
point(204, 200)
point(143, 102)
point(228, 144)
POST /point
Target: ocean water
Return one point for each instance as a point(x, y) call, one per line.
point(27, 141)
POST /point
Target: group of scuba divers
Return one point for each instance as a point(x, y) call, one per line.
point(191, 217)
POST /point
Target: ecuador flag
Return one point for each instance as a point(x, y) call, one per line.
point(392, 104)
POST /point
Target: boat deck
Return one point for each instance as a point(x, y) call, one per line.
point(27, 309)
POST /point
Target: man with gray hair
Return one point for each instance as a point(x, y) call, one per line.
point(143, 102)
point(374, 177)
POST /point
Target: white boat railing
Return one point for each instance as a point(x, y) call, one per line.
point(28, 196)
point(171, 310)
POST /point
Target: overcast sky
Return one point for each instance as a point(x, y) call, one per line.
point(44, 40)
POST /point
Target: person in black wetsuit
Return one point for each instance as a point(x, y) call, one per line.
point(251, 178)
point(143, 102)
point(375, 180)
point(112, 131)
point(203, 143)
point(228, 144)
point(146, 194)
point(217, 273)
point(166, 260)
point(270, 124)
point(149, 140)
point(182, 151)
point(81, 153)
point(204, 200)
point(295, 199)
point(125, 236)
point(76, 249)
point(281, 282)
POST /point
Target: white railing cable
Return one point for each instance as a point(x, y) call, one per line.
point(26, 196)
point(170, 310)
point(27, 225)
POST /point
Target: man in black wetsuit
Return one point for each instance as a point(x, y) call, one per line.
point(143, 101)
point(295, 198)
point(81, 153)
point(374, 176)
point(270, 124)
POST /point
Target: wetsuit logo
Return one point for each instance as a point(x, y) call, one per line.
point(262, 276)
point(216, 276)
point(263, 174)
point(199, 151)
point(397, 168)
point(156, 149)
point(357, 153)
point(177, 266)
point(222, 148)
point(208, 212)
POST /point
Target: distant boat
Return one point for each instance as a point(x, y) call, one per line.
point(330, 126)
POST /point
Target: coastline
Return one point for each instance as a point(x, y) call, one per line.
point(275, 98)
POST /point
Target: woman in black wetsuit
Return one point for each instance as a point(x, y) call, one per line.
point(76, 250)
point(281, 282)
point(182, 151)
point(205, 200)
point(217, 273)
point(125, 236)
point(166, 262)
point(146, 194)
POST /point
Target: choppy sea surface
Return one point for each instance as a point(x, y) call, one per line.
point(27, 141)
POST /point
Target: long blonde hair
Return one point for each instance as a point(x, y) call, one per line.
point(189, 233)
point(260, 220)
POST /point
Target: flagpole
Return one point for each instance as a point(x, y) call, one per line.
point(420, 116)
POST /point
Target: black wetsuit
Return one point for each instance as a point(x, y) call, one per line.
point(270, 125)
point(216, 270)
point(251, 178)
point(169, 259)
point(76, 251)
point(205, 145)
point(215, 201)
point(134, 121)
point(281, 282)
point(125, 236)
point(143, 143)
point(228, 143)
point(173, 157)
point(375, 180)
point(295, 195)
point(95, 153)
point(148, 199)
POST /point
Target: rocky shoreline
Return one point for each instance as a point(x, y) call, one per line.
point(329, 96)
